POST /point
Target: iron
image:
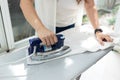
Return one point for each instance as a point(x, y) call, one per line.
point(40, 53)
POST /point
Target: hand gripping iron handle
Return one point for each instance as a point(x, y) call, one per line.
point(36, 42)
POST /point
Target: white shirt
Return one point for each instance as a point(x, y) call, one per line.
point(67, 12)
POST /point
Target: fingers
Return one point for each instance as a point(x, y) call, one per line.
point(49, 40)
point(44, 41)
point(108, 38)
point(48, 43)
point(55, 39)
point(104, 38)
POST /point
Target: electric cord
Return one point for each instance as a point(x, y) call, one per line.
point(22, 59)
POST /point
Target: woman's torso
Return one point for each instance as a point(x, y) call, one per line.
point(67, 11)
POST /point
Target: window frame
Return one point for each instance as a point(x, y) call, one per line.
point(7, 24)
point(3, 43)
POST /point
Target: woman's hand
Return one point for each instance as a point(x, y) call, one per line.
point(103, 38)
point(47, 37)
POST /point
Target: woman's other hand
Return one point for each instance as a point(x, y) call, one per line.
point(103, 38)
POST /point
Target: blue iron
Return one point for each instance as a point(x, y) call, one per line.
point(41, 52)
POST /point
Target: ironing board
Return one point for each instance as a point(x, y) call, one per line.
point(61, 69)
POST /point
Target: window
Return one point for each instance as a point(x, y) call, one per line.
point(21, 28)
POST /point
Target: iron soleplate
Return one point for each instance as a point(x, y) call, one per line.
point(47, 56)
point(51, 54)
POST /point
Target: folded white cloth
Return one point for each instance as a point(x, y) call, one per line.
point(92, 45)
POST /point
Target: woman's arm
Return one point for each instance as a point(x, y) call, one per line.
point(47, 36)
point(92, 13)
point(30, 14)
point(93, 16)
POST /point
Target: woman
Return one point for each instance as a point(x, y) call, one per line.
point(66, 15)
